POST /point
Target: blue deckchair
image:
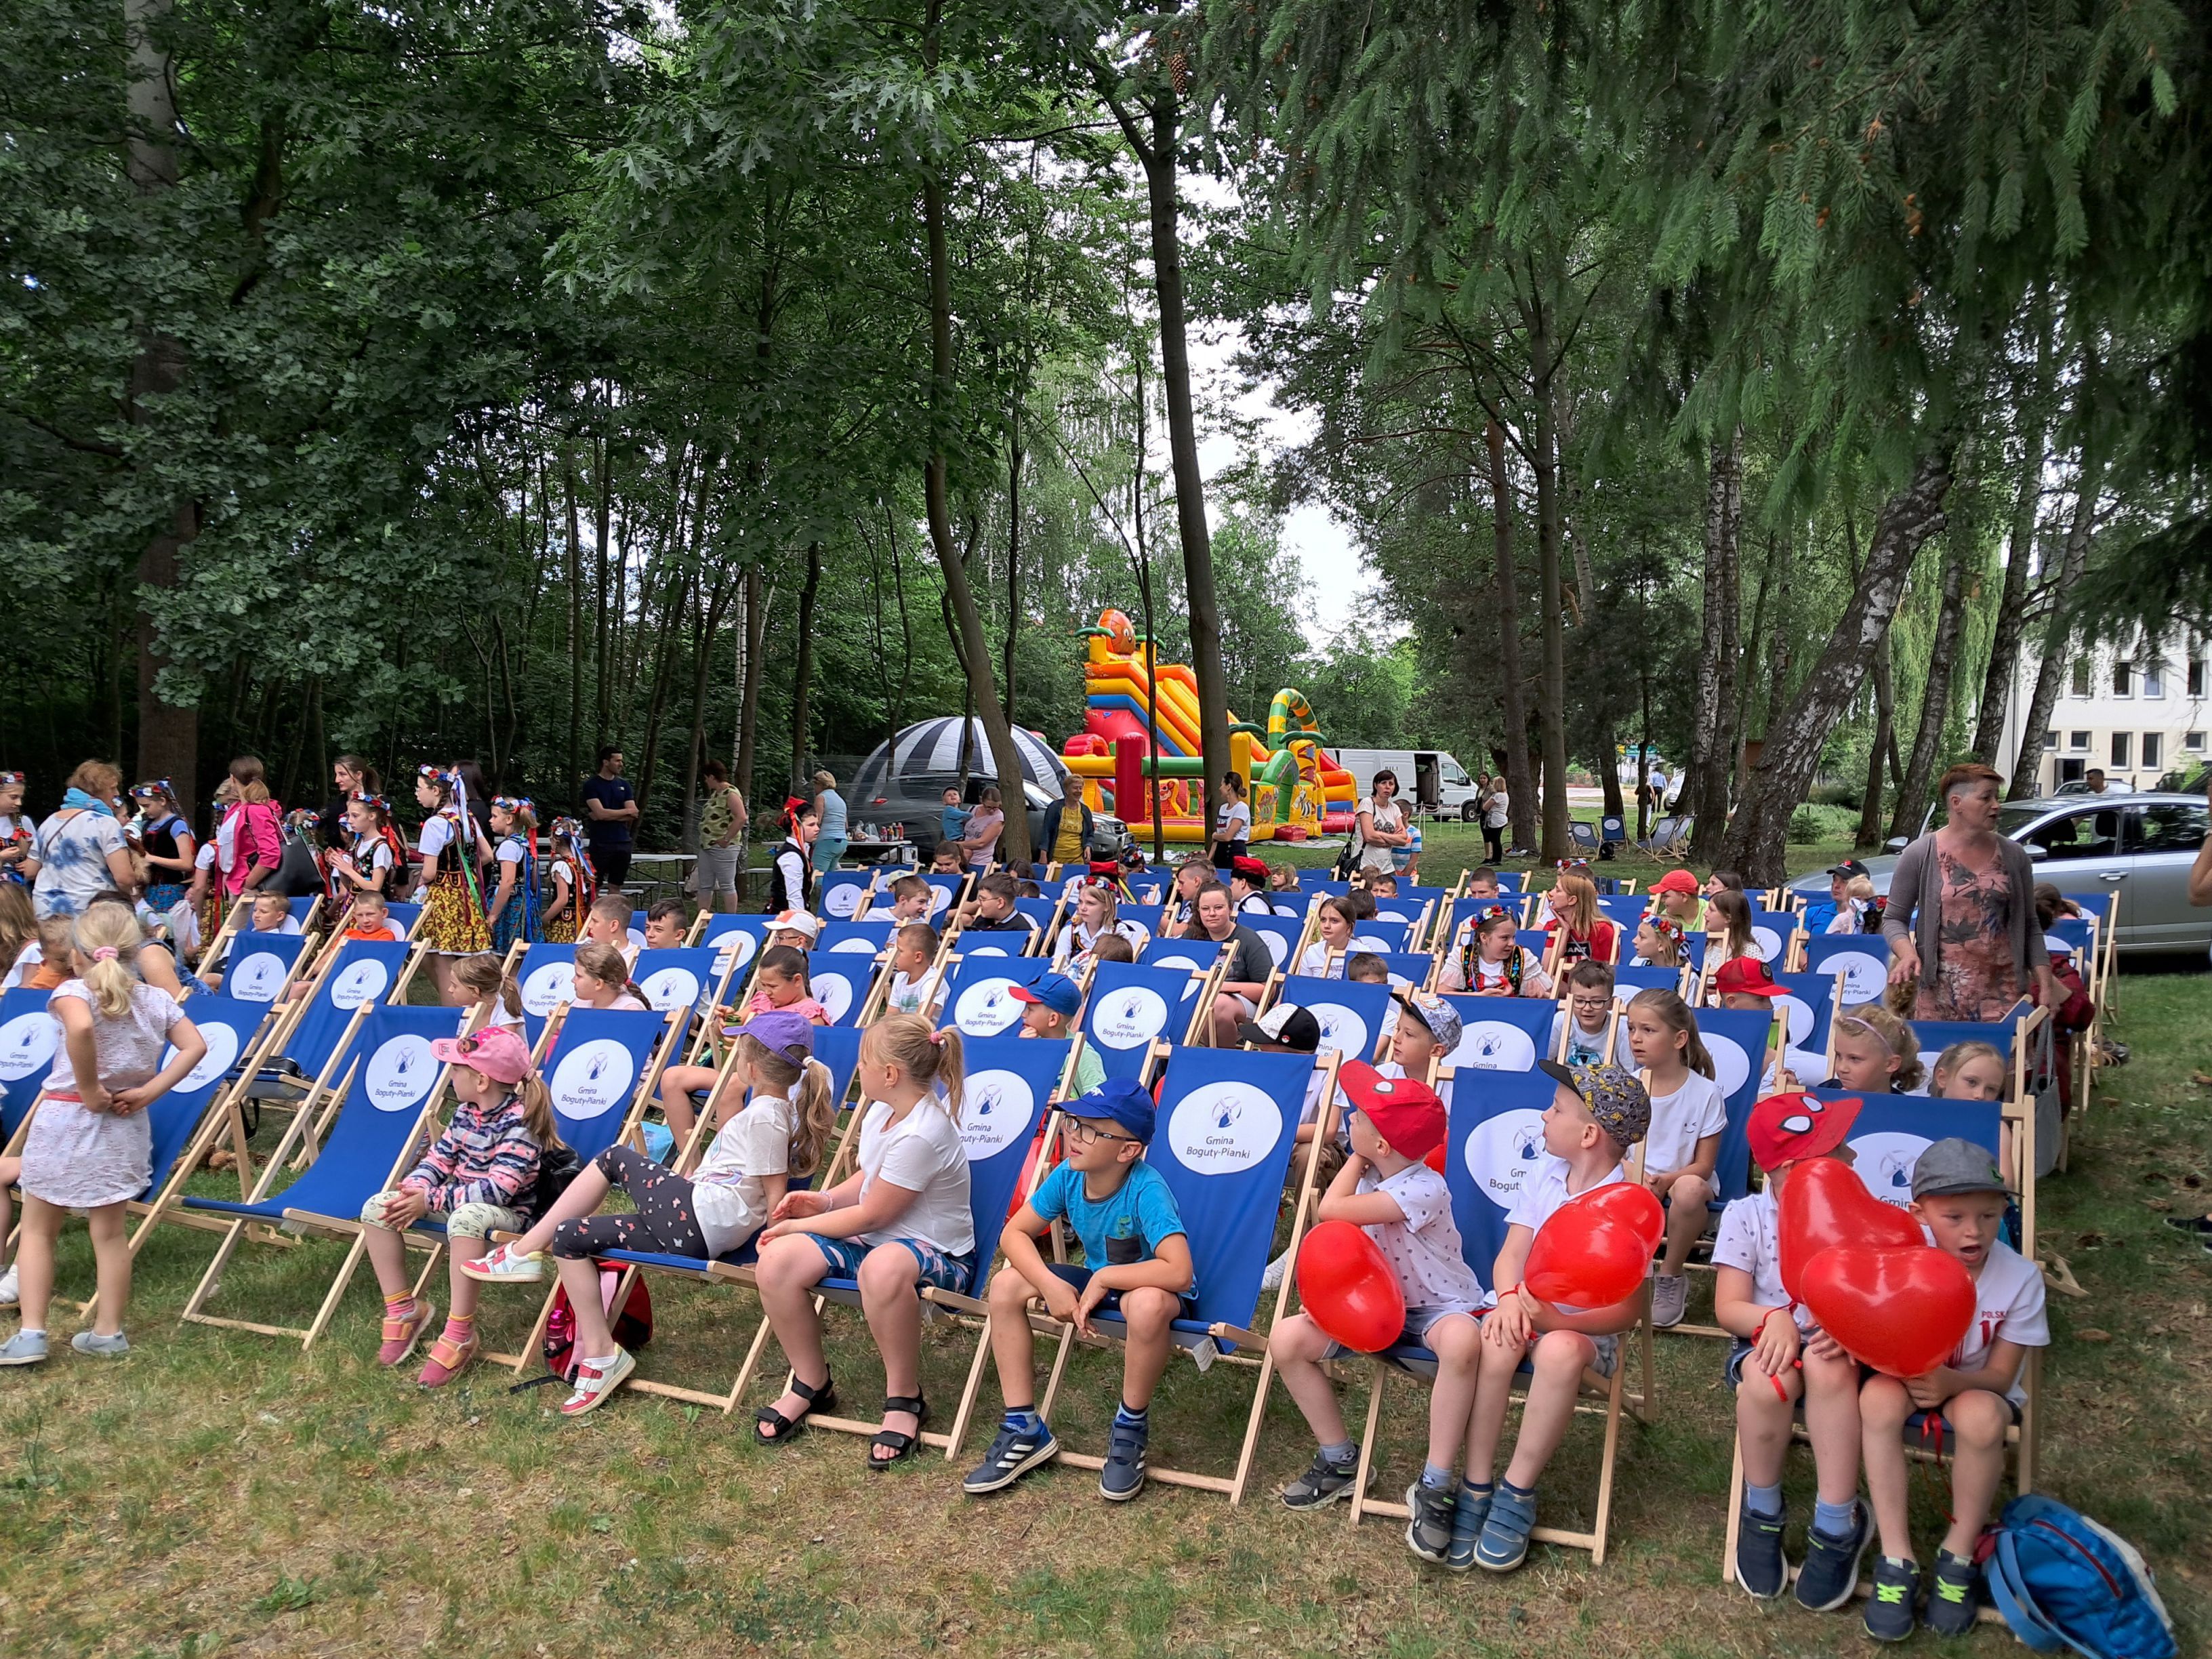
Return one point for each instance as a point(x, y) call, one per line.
point(187, 1120)
point(1862, 958)
point(1282, 935)
point(738, 939)
point(548, 977)
point(945, 891)
point(1130, 1008)
point(1200, 956)
point(686, 979)
point(841, 982)
point(1384, 938)
point(259, 966)
point(997, 941)
point(1502, 1034)
point(842, 892)
point(30, 1037)
point(1627, 982)
point(389, 1097)
point(1774, 931)
point(978, 996)
point(1737, 1040)
point(1353, 1016)
point(1228, 1127)
point(1413, 969)
point(1625, 910)
point(1808, 1004)
point(865, 936)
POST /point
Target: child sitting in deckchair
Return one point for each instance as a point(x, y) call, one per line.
point(916, 987)
point(607, 922)
point(1136, 1262)
point(1587, 1017)
point(908, 901)
point(1050, 1006)
point(1597, 1114)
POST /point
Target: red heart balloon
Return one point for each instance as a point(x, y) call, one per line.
point(1823, 1204)
point(1596, 1248)
point(1348, 1289)
point(1902, 1311)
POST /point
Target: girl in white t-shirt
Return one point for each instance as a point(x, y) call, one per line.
point(763, 1144)
point(1688, 1115)
point(1333, 922)
point(1492, 962)
point(900, 1221)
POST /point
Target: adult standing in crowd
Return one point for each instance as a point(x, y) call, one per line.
point(1381, 824)
point(1961, 912)
point(1495, 809)
point(1067, 826)
point(610, 813)
point(830, 813)
point(722, 838)
point(350, 775)
point(1232, 824)
point(79, 851)
point(981, 844)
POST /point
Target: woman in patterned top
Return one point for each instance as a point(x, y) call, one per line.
point(79, 851)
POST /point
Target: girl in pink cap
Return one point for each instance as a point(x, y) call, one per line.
point(481, 1174)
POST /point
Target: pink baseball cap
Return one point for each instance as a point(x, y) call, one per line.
point(496, 1051)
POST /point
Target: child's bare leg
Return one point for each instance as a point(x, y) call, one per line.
point(1883, 1407)
point(1299, 1347)
point(1147, 1312)
point(1762, 1421)
point(1686, 1199)
point(387, 1254)
point(1978, 1420)
point(1832, 1423)
point(1013, 1349)
point(1456, 1341)
point(1560, 1358)
point(678, 1084)
point(111, 1255)
point(579, 1277)
point(11, 1171)
point(34, 1260)
point(888, 1276)
point(789, 1269)
point(1485, 1419)
point(441, 975)
point(464, 1293)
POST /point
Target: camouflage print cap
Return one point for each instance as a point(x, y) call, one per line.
point(1614, 1097)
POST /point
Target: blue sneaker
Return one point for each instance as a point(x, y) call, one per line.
point(1429, 1521)
point(1469, 1511)
point(1503, 1543)
point(1831, 1572)
point(1013, 1453)
point(1123, 1476)
point(24, 1348)
point(1889, 1610)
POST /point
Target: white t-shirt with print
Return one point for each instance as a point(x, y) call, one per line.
point(1680, 1120)
point(1750, 1239)
point(728, 1197)
point(1236, 818)
point(1314, 962)
point(923, 1153)
point(2009, 1306)
point(1424, 1249)
point(914, 996)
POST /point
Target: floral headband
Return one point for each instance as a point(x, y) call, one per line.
point(1491, 913)
point(567, 827)
point(362, 797)
point(142, 791)
point(515, 804)
point(439, 774)
point(12, 780)
point(1572, 864)
point(1666, 926)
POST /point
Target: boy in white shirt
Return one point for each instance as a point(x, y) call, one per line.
point(1960, 1199)
point(917, 987)
point(1385, 1190)
point(1782, 1356)
point(1597, 1114)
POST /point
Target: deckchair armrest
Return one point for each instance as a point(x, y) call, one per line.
point(955, 1301)
point(735, 1275)
point(1221, 1331)
point(328, 1224)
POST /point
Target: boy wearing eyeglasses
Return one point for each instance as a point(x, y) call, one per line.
point(1136, 1262)
point(1587, 1021)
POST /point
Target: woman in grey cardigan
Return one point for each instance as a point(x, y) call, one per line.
point(1961, 910)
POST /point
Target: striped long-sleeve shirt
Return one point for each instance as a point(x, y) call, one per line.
point(484, 1155)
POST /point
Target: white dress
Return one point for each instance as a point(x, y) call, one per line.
point(83, 1159)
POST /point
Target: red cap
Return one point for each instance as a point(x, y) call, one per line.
point(1404, 1111)
point(1675, 881)
point(1785, 1128)
point(1745, 976)
point(1251, 869)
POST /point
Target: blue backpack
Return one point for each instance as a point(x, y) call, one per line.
point(2062, 1581)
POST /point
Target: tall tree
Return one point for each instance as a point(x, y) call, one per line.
point(2003, 665)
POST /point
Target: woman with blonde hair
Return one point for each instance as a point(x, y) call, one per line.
point(79, 850)
point(829, 812)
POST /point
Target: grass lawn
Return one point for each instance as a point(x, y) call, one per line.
point(216, 1492)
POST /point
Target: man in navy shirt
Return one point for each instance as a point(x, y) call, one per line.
point(611, 810)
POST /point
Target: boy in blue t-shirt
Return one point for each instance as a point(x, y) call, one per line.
point(952, 822)
point(1136, 1263)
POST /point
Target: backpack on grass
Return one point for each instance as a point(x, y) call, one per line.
point(2062, 1581)
point(632, 1326)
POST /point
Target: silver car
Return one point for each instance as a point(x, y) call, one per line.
point(2138, 847)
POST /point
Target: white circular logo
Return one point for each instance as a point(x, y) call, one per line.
point(362, 982)
point(987, 1008)
point(27, 1044)
point(222, 1051)
point(857, 946)
point(843, 899)
point(1342, 1029)
point(593, 1078)
point(1381, 947)
point(988, 951)
point(1128, 1018)
point(1219, 1128)
point(995, 1107)
point(1278, 946)
point(1731, 1065)
point(256, 978)
point(1491, 1045)
point(1502, 1152)
point(1799, 1013)
point(1285, 908)
point(1184, 963)
point(1865, 978)
point(938, 898)
point(1766, 942)
point(735, 946)
point(835, 993)
point(671, 988)
point(546, 989)
point(637, 939)
point(1885, 1159)
point(399, 1074)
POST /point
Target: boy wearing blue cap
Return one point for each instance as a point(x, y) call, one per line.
point(1050, 1003)
point(1136, 1263)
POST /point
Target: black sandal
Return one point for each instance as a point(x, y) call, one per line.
point(900, 1446)
point(788, 1427)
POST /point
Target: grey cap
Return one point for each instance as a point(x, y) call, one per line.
point(1956, 1166)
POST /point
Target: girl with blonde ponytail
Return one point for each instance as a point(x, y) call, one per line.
point(900, 1222)
point(90, 1147)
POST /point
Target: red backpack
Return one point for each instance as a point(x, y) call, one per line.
point(632, 1327)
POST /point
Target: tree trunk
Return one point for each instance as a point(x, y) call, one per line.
point(2057, 633)
point(1552, 709)
point(2020, 553)
point(1013, 547)
point(169, 734)
point(1711, 764)
point(802, 678)
point(1778, 654)
point(1869, 836)
point(1595, 652)
point(1759, 834)
point(575, 639)
point(602, 579)
point(1936, 698)
point(1520, 781)
point(755, 618)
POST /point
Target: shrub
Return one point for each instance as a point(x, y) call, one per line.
point(1813, 823)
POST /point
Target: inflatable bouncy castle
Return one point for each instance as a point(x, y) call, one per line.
point(1297, 790)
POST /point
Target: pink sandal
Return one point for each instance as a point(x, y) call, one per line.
point(400, 1335)
point(447, 1360)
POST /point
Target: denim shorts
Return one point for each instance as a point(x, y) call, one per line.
point(947, 1273)
point(1078, 1277)
point(1419, 1321)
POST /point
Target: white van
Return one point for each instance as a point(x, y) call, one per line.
point(1432, 778)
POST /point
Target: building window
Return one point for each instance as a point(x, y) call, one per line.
point(2197, 677)
point(2081, 677)
point(2154, 748)
point(2121, 745)
point(2123, 679)
point(2078, 741)
point(2154, 681)
point(2071, 771)
point(2193, 741)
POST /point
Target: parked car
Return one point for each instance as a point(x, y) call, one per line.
point(2139, 847)
point(917, 799)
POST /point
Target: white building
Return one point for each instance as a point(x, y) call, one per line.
point(2134, 715)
